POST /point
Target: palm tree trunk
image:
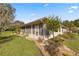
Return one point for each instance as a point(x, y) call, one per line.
point(53, 34)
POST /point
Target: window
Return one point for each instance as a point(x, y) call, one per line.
point(40, 30)
point(36, 30)
point(33, 29)
point(47, 32)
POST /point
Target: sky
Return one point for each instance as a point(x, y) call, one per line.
point(28, 12)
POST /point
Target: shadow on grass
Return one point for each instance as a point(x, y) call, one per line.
point(6, 39)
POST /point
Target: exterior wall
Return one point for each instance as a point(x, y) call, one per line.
point(36, 33)
point(39, 31)
point(55, 34)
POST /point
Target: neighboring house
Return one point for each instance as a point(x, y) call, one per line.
point(37, 29)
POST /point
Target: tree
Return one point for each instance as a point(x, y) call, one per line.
point(69, 25)
point(76, 22)
point(6, 16)
point(53, 24)
point(18, 25)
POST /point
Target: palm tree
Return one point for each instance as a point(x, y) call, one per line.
point(53, 24)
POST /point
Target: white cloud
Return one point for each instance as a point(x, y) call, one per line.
point(70, 11)
point(73, 7)
point(33, 14)
point(45, 5)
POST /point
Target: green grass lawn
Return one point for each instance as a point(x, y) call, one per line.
point(12, 45)
point(73, 43)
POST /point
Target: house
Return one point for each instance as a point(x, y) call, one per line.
point(37, 29)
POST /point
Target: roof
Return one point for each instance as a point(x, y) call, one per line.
point(38, 21)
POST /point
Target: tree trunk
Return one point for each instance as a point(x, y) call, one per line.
point(53, 34)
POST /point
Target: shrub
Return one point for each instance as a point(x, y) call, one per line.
point(40, 40)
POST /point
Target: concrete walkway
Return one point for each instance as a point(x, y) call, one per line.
point(41, 47)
